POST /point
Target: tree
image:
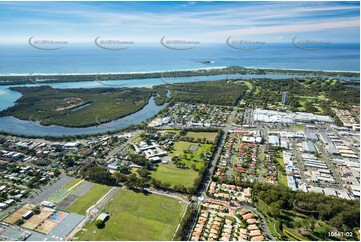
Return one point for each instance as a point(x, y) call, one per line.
point(99, 175)
point(99, 223)
point(275, 209)
point(20, 222)
point(312, 222)
point(36, 210)
point(140, 160)
point(57, 172)
point(143, 173)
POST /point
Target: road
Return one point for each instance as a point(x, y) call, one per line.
point(122, 146)
point(298, 158)
point(330, 165)
point(260, 175)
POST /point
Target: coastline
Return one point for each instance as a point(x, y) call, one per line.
point(170, 71)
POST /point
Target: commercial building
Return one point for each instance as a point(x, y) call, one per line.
point(285, 98)
point(308, 146)
point(311, 136)
point(274, 140)
point(270, 116)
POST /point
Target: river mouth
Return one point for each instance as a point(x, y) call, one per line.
point(12, 125)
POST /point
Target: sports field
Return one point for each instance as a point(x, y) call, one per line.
point(88, 199)
point(210, 136)
point(169, 173)
point(135, 216)
point(59, 195)
point(46, 226)
point(72, 183)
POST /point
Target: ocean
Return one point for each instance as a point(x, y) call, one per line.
point(24, 59)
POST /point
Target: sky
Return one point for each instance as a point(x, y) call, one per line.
point(81, 22)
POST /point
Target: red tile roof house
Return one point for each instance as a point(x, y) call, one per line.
point(254, 233)
point(252, 227)
point(243, 236)
point(196, 234)
point(229, 222)
point(195, 238)
point(242, 212)
point(257, 238)
point(252, 221)
point(247, 216)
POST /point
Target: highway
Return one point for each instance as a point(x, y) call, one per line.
point(122, 146)
point(261, 149)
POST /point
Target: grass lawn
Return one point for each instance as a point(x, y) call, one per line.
point(193, 157)
point(281, 178)
point(248, 84)
point(169, 173)
point(90, 198)
point(72, 183)
point(138, 139)
point(135, 216)
point(210, 136)
point(297, 127)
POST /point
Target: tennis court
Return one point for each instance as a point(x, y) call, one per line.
point(59, 195)
point(37, 219)
point(58, 216)
point(17, 215)
point(32, 222)
point(46, 226)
